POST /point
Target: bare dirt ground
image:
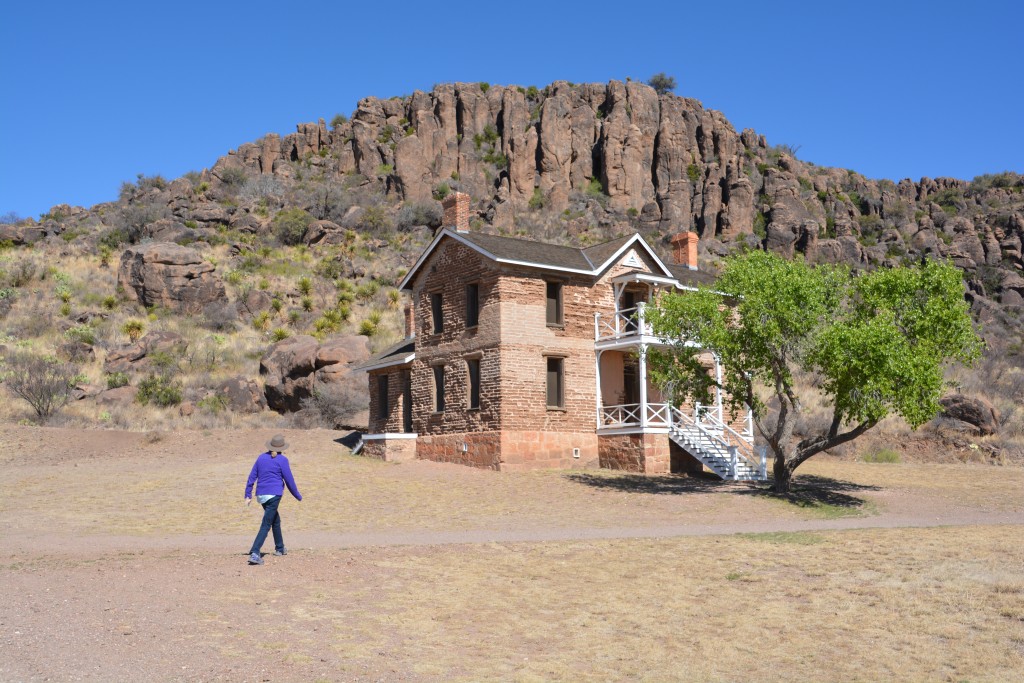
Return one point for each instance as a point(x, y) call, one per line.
point(125, 560)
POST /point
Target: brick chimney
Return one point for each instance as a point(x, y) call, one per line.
point(684, 249)
point(456, 211)
point(410, 322)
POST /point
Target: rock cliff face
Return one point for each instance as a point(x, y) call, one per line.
point(579, 162)
point(664, 161)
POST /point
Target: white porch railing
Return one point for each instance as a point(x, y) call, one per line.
point(705, 429)
point(627, 322)
point(628, 415)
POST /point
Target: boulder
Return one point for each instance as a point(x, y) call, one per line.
point(979, 413)
point(166, 230)
point(243, 394)
point(287, 369)
point(80, 391)
point(133, 357)
point(22, 233)
point(169, 275)
point(291, 368)
point(120, 395)
point(324, 232)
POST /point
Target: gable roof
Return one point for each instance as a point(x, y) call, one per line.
point(398, 354)
point(514, 251)
point(688, 276)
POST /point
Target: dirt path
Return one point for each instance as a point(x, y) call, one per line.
point(124, 553)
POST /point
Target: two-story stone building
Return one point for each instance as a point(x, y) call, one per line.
point(523, 355)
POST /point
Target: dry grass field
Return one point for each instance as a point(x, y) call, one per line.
point(124, 560)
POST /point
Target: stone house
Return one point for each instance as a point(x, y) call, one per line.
point(520, 355)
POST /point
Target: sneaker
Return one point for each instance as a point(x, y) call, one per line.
point(282, 551)
point(255, 558)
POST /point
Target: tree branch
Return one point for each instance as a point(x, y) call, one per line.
point(816, 444)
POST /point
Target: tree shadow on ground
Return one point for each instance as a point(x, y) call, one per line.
point(807, 491)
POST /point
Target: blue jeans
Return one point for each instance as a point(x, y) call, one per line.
point(271, 520)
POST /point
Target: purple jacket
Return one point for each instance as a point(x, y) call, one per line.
point(270, 474)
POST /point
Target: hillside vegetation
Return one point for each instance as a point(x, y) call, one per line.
point(311, 232)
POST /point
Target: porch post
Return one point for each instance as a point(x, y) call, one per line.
point(718, 389)
point(643, 386)
point(597, 393)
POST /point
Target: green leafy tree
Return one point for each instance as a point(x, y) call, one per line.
point(872, 344)
point(662, 83)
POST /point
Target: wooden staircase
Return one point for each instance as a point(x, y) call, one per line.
point(725, 452)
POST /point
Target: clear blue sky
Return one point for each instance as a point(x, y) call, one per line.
point(95, 93)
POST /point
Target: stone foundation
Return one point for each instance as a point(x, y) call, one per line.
point(510, 451)
point(393, 449)
point(646, 453)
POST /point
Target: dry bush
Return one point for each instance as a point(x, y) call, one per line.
point(334, 406)
point(44, 383)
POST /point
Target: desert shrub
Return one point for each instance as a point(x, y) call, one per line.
point(367, 290)
point(160, 391)
point(260, 187)
point(44, 383)
point(163, 361)
point(307, 303)
point(81, 333)
point(289, 225)
point(234, 176)
point(305, 286)
point(375, 219)
point(22, 272)
point(537, 199)
point(339, 120)
point(280, 334)
point(368, 328)
point(133, 329)
point(334, 406)
point(214, 403)
point(261, 321)
point(662, 83)
point(220, 316)
point(131, 220)
point(418, 213)
point(886, 455)
point(117, 379)
point(441, 191)
point(693, 172)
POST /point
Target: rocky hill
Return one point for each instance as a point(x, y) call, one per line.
point(570, 162)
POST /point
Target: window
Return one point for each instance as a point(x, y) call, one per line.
point(382, 396)
point(406, 401)
point(473, 368)
point(556, 383)
point(472, 305)
point(438, 388)
point(554, 314)
point(436, 312)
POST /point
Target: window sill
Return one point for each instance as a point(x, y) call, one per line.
point(556, 409)
point(556, 326)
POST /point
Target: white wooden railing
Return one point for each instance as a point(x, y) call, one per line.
point(706, 424)
point(622, 323)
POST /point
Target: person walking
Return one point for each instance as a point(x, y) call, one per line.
point(270, 473)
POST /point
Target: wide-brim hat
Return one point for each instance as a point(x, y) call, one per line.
point(277, 443)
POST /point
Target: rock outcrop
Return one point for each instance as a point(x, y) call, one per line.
point(291, 368)
point(169, 275)
point(977, 413)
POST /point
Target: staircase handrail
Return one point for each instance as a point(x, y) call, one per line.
point(743, 448)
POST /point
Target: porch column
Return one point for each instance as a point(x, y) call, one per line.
point(597, 394)
point(718, 389)
point(643, 386)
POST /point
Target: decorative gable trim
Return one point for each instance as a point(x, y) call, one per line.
point(634, 242)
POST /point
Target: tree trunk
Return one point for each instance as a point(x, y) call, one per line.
point(783, 475)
